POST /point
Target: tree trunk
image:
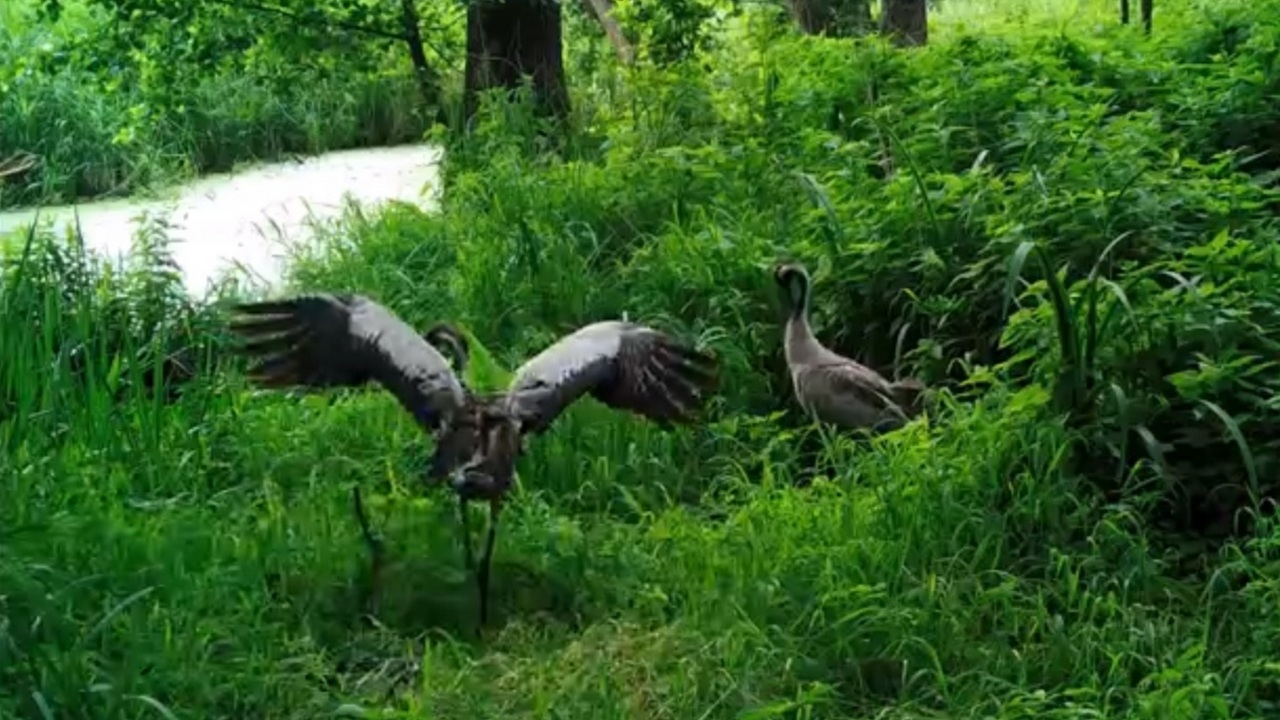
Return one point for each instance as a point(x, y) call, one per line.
point(510, 39)
point(1124, 12)
point(905, 21)
point(602, 10)
point(1144, 6)
point(836, 18)
point(428, 82)
point(815, 17)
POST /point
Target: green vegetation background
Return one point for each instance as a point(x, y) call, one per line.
point(1047, 543)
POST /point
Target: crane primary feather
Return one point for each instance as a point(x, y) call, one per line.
point(333, 340)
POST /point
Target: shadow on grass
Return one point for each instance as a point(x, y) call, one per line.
point(424, 600)
point(423, 596)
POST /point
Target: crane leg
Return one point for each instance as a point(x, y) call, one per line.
point(482, 576)
point(376, 553)
point(466, 535)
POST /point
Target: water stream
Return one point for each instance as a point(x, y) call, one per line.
point(244, 218)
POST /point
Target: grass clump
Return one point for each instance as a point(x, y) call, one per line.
point(1056, 228)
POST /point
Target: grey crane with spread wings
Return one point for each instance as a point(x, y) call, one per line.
point(325, 340)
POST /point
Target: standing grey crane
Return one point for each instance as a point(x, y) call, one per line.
point(830, 387)
point(325, 340)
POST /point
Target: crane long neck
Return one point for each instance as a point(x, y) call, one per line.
point(799, 292)
point(799, 334)
point(442, 334)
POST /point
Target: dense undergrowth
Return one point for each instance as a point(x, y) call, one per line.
point(114, 113)
point(1049, 542)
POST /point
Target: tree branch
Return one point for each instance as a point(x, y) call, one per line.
point(16, 163)
point(603, 12)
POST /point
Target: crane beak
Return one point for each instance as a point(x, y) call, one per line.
point(473, 484)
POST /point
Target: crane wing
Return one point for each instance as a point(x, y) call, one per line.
point(850, 394)
point(624, 365)
point(327, 340)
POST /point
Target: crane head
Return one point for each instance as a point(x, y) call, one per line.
point(478, 450)
point(793, 281)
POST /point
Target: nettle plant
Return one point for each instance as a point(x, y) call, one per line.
point(1167, 371)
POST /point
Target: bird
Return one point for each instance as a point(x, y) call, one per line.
point(327, 339)
point(828, 386)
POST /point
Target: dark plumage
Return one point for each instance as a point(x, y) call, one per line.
point(328, 340)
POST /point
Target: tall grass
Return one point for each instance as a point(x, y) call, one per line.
point(193, 553)
point(200, 557)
